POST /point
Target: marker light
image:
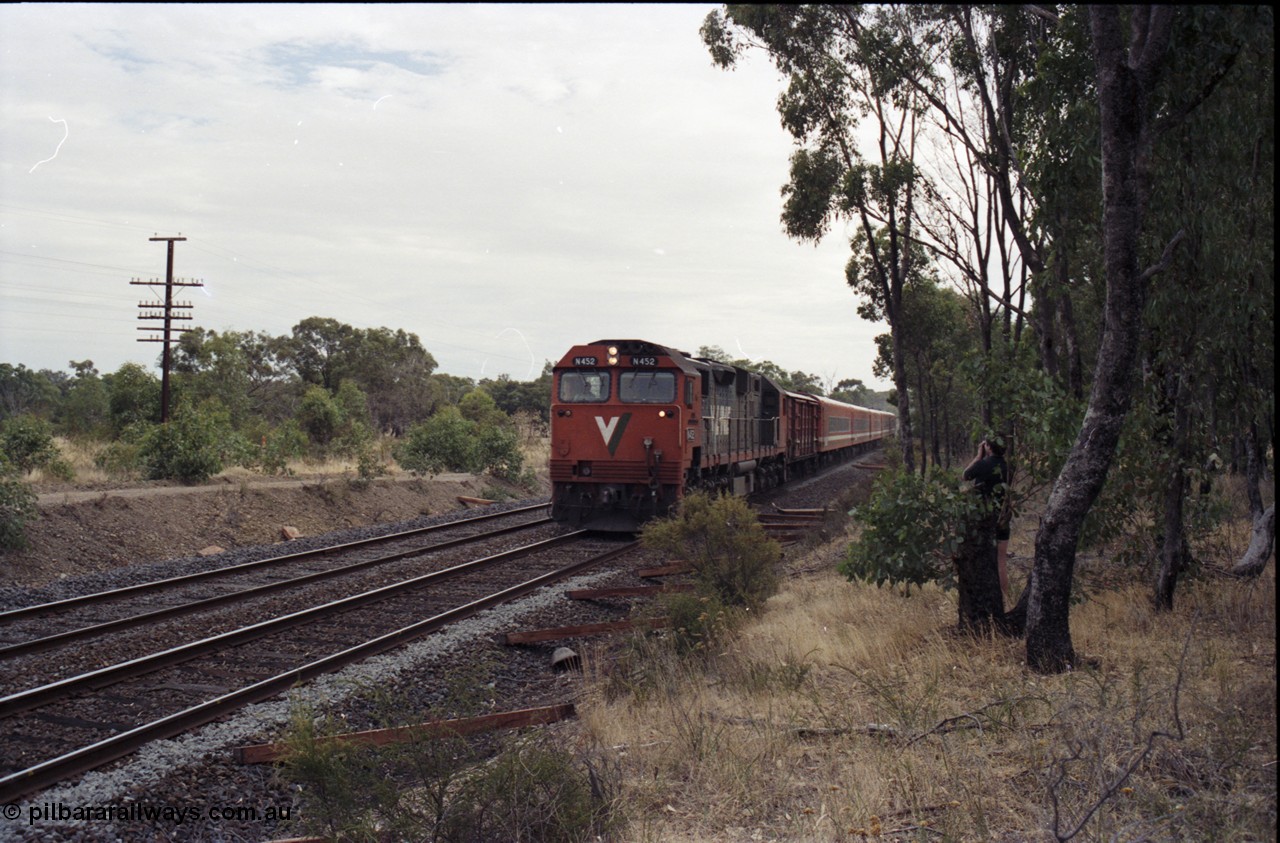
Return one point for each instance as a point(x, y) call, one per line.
point(613, 351)
point(613, 361)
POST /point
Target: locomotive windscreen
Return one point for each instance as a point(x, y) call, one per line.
point(584, 387)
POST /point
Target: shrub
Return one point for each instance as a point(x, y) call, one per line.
point(121, 458)
point(17, 506)
point(697, 621)
point(28, 444)
point(732, 557)
point(498, 452)
point(444, 442)
point(443, 788)
point(911, 528)
point(319, 416)
point(189, 448)
point(534, 790)
point(285, 442)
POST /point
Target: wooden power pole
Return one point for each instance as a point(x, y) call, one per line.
point(156, 310)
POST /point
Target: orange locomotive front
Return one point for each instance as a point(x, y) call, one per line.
point(624, 426)
point(635, 425)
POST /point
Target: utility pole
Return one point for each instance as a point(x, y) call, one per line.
point(164, 310)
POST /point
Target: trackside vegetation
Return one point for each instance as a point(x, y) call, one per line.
point(444, 789)
point(847, 711)
point(325, 393)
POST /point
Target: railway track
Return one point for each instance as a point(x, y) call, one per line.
point(40, 627)
point(58, 729)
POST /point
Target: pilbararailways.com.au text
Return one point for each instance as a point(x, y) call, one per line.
point(50, 812)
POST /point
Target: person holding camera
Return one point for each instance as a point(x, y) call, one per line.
point(990, 475)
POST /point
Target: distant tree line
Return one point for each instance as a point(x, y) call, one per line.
point(325, 391)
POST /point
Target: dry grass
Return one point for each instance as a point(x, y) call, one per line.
point(847, 712)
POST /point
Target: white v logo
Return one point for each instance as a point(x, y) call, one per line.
point(606, 430)
point(611, 431)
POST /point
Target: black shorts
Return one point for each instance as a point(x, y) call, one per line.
point(1002, 533)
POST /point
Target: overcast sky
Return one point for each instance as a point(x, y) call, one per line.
point(502, 181)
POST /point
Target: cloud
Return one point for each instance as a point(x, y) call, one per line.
point(565, 172)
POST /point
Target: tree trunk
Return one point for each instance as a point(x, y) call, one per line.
point(1175, 553)
point(905, 433)
point(1264, 537)
point(1123, 86)
point(1253, 470)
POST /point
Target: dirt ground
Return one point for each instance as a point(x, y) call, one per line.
point(87, 530)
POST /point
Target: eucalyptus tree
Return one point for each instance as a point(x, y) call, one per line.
point(841, 98)
point(941, 338)
point(1209, 354)
point(390, 366)
point(1129, 58)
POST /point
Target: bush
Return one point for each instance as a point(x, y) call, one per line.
point(27, 443)
point(445, 788)
point(498, 452)
point(121, 459)
point(449, 441)
point(189, 448)
point(17, 506)
point(534, 790)
point(732, 557)
point(320, 417)
point(444, 442)
point(697, 621)
point(285, 442)
point(912, 527)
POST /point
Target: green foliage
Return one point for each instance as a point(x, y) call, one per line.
point(448, 441)
point(85, 410)
point(912, 526)
point(17, 506)
point(134, 396)
point(24, 391)
point(390, 367)
point(1033, 416)
point(534, 790)
point(531, 397)
point(478, 406)
point(27, 443)
point(119, 458)
point(190, 448)
point(444, 442)
point(498, 452)
point(284, 443)
point(698, 621)
point(319, 417)
point(733, 560)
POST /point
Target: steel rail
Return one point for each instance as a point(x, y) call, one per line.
point(87, 758)
point(48, 642)
point(104, 677)
point(59, 605)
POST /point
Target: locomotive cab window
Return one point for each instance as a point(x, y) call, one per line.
point(584, 387)
point(647, 387)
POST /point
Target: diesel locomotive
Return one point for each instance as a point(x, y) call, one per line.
point(636, 425)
